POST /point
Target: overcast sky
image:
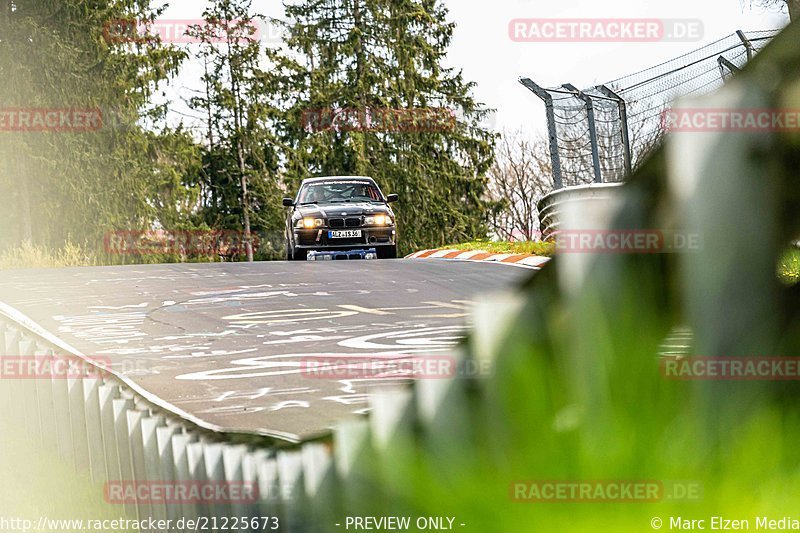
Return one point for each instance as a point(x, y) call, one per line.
point(488, 56)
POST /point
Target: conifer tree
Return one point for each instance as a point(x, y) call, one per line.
point(381, 63)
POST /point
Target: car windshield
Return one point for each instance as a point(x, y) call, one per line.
point(335, 192)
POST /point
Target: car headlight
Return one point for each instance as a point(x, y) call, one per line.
point(310, 223)
point(378, 220)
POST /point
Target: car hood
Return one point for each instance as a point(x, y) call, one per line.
point(342, 210)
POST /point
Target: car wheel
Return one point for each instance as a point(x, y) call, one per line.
point(300, 254)
point(387, 252)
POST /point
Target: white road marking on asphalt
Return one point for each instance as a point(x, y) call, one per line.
point(351, 399)
point(195, 336)
point(455, 305)
point(289, 404)
point(432, 342)
point(288, 316)
point(303, 338)
point(260, 393)
point(232, 410)
point(212, 353)
point(365, 310)
point(137, 306)
point(279, 365)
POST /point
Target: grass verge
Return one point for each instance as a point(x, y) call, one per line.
point(28, 255)
point(789, 267)
point(544, 249)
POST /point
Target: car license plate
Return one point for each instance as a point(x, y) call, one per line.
point(349, 234)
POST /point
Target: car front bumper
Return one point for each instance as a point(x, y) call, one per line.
point(317, 239)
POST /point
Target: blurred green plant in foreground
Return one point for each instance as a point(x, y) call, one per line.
point(45, 486)
point(577, 392)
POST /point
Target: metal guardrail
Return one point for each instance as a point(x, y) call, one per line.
point(103, 427)
point(593, 203)
point(112, 432)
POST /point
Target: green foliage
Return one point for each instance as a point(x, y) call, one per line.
point(543, 249)
point(49, 486)
point(54, 55)
point(789, 267)
point(386, 55)
point(29, 255)
point(240, 157)
point(363, 54)
point(576, 392)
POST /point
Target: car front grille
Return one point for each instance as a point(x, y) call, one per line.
point(344, 222)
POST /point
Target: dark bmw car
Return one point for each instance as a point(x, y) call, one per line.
point(340, 214)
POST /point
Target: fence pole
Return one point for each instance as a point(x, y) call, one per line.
point(747, 44)
point(555, 156)
point(623, 116)
point(723, 64)
point(598, 173)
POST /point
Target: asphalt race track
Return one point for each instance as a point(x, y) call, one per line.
point(226, 342)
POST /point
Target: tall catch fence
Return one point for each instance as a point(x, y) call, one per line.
point(600, 134)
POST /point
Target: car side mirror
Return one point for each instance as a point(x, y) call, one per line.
point(288, 202)
point(392, 198)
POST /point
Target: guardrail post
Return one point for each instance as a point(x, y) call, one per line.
point(233, 465)
point(5, 389)
point(164, 437)
point(46, 408)
point(77, 410)
point(107, 393)
point(152, 459)
point(319, 478)
point(26, 388)
point(442, 407)
point(353, 458)
point(392, 423)
point(270, 496)
point(136, 447)
point(94, 430)
point(183, 473)
point(62, 412)
point(16, 405)
point(121, 407)
point(290, 475)
point(215, 473)
point(195, 455)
